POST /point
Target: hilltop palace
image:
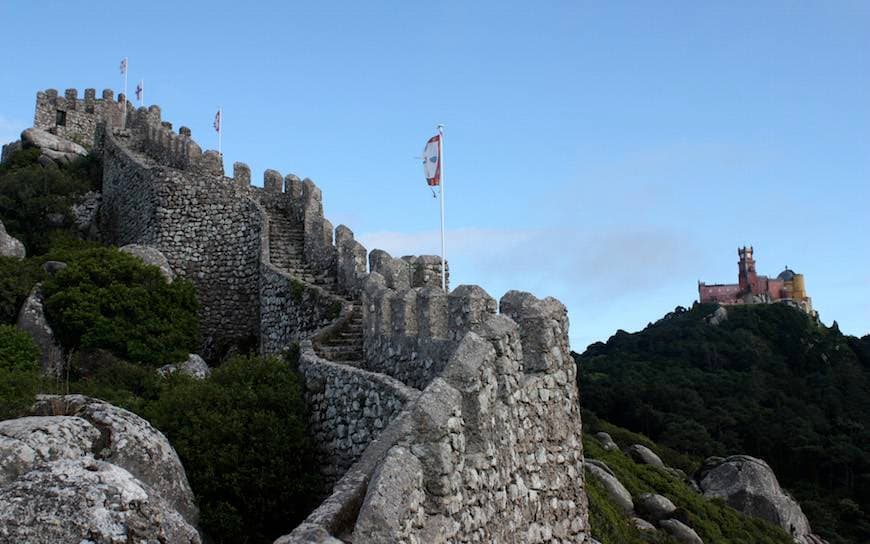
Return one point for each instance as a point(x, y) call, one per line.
point(788, 287)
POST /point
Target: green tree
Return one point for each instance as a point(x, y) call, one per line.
point(19, 372)
point(241, 436)
point(106, 299)
point(36, 201)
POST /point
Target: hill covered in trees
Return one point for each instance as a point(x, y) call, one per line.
point(768, 381)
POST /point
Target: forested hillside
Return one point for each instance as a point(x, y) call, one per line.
point(768, 381)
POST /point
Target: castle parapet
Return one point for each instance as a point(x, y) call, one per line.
point(468, 306)
point(396, 272)
point(543, 325)
point(73, 118)
point(351, 261)
point(241, 174)
point(212, 163)
point(272, 181)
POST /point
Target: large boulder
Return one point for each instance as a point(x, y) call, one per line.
point(29, 441)
point(606, 441)
point(87, 501)
point(644, 455)
point(131, 443)
point(9, 246)
point(643, 525)
point(654, 507)
point(194, 367)
point(749, 485)
point(152, 256)
point(55, 147)
point(85, 213)
point(615, 490)
point(82, 470)
point(680, 531)
point(31, 319)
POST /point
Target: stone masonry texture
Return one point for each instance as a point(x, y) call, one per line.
point(441, 416)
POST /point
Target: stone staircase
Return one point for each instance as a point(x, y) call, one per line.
point(286, 243)
point(286, 240)
point(346, 345)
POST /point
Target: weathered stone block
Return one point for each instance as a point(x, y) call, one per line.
point(543, 328)
point(432, 312)
point(272, 181)
point(469, 306)
point(241, 174)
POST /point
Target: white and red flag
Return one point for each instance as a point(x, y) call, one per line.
point(217, 121)
point(432, 161)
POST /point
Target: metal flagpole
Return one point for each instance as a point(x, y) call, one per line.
point(126, 69)
point(220, 129)
point(441, 159)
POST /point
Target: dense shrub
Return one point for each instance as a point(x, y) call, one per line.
point(241, 437)
point(101, 375)
point(17, 278)
point(36, 201)
point(19, 371)
point(106, 299)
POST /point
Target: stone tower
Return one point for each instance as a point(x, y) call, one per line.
point(746, 275)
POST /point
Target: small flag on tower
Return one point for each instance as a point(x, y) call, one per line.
point(217, 121)
point(124, 66)
point(140, 90)
point(432, 161)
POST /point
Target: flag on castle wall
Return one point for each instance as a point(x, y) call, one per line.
point(140, 88)
point(123, 66)
point(432, 160)
point(217, 121)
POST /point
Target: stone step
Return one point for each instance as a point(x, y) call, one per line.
point(342, 347)
point(343, 358)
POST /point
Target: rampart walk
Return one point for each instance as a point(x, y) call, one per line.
point(441, 416)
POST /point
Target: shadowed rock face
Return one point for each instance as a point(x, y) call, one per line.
point(642, 454)
point(9, 246)
point(32, 319)
point(82, 470)
point(615, 490)
point(680, 531)
point(750, 486)
point(655, 507)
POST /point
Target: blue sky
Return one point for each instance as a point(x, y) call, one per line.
point(608, 154)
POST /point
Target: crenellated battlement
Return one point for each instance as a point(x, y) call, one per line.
point(460, 422)
point(76, 119)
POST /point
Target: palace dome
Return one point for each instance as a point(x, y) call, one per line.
point(786, 275)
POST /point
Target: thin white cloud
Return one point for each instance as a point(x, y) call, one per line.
point(460, 242)
point(597, 266)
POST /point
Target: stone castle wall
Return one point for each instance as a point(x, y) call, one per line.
point(207, 227)
point(77, 119)
point(350, 407)
point(461, 425)
point(490, 451)
point(161, 189)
